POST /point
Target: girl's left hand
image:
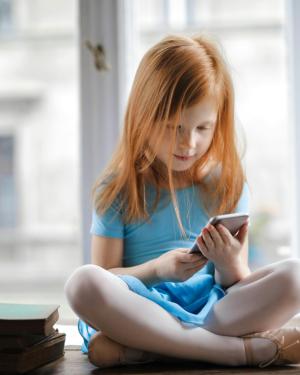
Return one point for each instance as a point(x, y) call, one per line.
point(220, 246)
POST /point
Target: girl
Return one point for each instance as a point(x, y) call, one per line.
point(177, 163)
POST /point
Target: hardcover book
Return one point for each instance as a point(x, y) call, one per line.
point(32, 319)
point(32, 357)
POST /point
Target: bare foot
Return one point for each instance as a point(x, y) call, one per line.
point(105, 352)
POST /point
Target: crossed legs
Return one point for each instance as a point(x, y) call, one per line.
point(104, 301)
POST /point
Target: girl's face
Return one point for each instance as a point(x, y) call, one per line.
point(193, 136)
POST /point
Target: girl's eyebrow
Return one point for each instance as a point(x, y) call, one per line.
point(206, 123)
point(209, 122)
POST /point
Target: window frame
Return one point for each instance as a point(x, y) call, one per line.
point(101, 99)
point(293, 58)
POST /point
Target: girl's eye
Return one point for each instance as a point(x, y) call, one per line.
point(170, 127)
point(200, 128)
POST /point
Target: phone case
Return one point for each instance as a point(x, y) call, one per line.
point(232, 222)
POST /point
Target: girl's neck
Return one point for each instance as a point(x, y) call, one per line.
point(157, 174)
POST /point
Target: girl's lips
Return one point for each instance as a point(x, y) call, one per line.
point(183, 158)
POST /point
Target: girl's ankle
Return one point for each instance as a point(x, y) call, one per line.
point(262, 349)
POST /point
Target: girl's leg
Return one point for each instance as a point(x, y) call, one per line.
point(104, 300)
point(264, 300)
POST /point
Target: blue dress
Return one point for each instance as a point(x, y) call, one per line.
point(190, 301)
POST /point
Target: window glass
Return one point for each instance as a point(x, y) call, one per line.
point(7, 183)
point(39, 156)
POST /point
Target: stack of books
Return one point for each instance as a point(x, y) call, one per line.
point(28, 339)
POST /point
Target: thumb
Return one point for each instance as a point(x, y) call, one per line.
point(241, 236)
point(183, 250)
point(186, 257)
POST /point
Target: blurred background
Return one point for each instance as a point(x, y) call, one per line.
point(40, 211)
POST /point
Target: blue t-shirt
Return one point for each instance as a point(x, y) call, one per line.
point(144, 240)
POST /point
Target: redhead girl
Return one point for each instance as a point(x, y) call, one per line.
point(145, 297)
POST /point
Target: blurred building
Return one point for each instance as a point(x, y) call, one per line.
point(39, 148)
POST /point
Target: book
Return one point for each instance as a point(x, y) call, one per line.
point(32, 319)
point(34, 356)
point(21, 341)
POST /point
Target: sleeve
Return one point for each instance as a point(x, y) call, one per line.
point(109, 224)
point(244, 201)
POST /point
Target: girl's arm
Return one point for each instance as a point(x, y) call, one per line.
point(107, 252)
point(174, 265)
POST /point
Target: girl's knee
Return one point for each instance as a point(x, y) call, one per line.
point(290, 277)
point(80, 285)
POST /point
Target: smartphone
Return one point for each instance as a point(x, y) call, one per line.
point(232, 222)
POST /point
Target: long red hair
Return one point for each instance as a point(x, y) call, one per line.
point(174, 74)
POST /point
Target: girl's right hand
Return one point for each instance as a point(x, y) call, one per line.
point(178, 265)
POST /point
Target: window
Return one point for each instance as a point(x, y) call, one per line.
point(39, 151)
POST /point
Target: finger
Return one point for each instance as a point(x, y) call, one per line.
point(188, 258)
point(224, 233)
point(202, 246)
point(242, 234)
point(215, 235)
point(199, 260)
point(199, 252)
point(192, 270)
point(207, 238)
point(198, 264)
point(200, 257)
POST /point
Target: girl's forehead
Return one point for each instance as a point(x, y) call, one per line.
point(206, 105)
point(205, 110)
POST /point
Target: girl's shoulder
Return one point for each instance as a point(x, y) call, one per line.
point(102, 185)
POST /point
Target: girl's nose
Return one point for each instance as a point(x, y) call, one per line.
point(187, 140)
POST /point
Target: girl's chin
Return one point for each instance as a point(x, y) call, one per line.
point(181, 167)
point(178, 166)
